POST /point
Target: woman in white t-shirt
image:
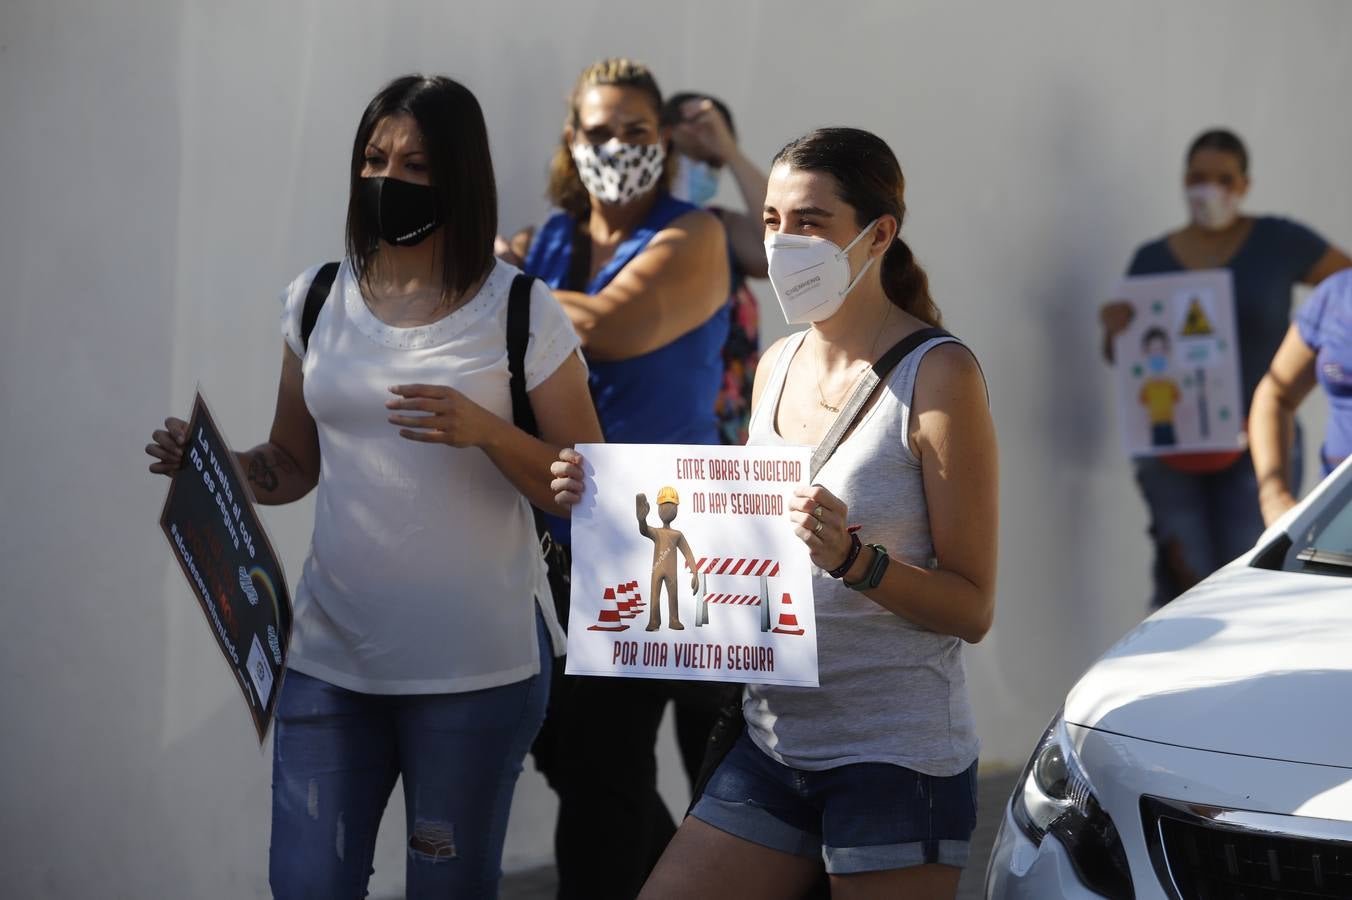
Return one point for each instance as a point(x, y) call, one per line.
point(422, 623)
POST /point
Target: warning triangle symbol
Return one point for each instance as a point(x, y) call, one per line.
point(1196, 324)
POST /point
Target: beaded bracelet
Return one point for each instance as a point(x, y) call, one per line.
point(855, 547)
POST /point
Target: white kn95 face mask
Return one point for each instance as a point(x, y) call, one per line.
point(811, 275)
point(1212, 207)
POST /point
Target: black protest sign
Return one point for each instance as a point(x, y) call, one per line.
point(214, 532)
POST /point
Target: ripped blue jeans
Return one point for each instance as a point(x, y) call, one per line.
point(337, 754)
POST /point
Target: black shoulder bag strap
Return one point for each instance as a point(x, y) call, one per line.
point(314, 300)
point(730, 723)
point(523, 415)
point(518, 336)
point(849, 413)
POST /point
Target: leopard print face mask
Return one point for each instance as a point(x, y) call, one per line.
point(617, 173)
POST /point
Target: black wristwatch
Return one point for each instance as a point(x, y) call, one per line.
point(874, 576)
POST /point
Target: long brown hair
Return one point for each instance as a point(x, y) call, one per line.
point(566, 190)
point(461, 169)
point(868, 178)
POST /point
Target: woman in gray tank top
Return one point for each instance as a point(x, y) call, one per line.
point(870, 776)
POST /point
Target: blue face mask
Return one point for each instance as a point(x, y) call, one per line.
point(696, 182)
point(1158, 363)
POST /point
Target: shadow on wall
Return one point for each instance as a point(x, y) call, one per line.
point(1057, 405)
point(221, 795)
point(1070, 415)
point(521, 166)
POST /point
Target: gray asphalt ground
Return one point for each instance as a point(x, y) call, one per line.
point(992, 792)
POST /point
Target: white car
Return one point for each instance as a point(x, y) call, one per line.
point(1208, 754)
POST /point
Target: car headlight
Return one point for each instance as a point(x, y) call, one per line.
point(1054, 796)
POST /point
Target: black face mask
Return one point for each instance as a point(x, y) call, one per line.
point(400, 212)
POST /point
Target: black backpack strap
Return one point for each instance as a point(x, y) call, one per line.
point(867, 385)
point(523, 417)
point(314, 300)
point(518, 336)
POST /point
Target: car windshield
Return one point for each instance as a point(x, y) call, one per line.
point(1324, 547)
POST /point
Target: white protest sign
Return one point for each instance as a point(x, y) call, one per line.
point(1178, 365)
point(685, 565)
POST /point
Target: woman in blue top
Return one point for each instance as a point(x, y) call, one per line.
point(1203, 506)
point(1318, 347)
point(645, 279)
point(643, 276)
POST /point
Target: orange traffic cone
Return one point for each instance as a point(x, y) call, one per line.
point(625, 604)
point(609, 620)
point(636, 603)
point(788, 622)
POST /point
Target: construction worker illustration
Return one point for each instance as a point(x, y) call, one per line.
point(1159, 394)
point(666, 541)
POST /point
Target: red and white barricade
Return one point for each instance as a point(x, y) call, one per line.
point(761, 569)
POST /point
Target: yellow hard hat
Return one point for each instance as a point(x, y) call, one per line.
point(667, 495)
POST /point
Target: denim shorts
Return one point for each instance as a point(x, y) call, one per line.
point(863, 817)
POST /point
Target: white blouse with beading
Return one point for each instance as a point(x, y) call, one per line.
point(424, 572)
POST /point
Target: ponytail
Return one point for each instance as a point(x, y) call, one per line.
point(907, 285)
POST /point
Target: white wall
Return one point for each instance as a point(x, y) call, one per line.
point(166, 167)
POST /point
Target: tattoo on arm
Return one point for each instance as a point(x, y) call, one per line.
point(265, 472)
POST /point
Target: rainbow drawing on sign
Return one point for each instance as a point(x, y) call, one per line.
point(261, 578)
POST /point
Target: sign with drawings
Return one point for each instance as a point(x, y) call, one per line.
point(685, 565)
point(1178, 365)
point(219, 542)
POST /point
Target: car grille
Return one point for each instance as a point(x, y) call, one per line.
point(1205, 853)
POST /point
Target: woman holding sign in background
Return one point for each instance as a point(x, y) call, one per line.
point(645, 279)
point(872, 774)
point(423, 628)
point(1203, 506)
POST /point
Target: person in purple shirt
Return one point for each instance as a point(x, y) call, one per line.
point(1204, 506)
point(1318, 347)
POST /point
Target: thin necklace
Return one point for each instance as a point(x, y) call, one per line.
point(817, 373)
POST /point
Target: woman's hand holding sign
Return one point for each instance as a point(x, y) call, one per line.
point(167, 446)
point(568, 477)
point(819, 519)
point(1115, 316)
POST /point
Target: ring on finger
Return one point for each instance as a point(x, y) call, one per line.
point(818, 510)
point(817, 529)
